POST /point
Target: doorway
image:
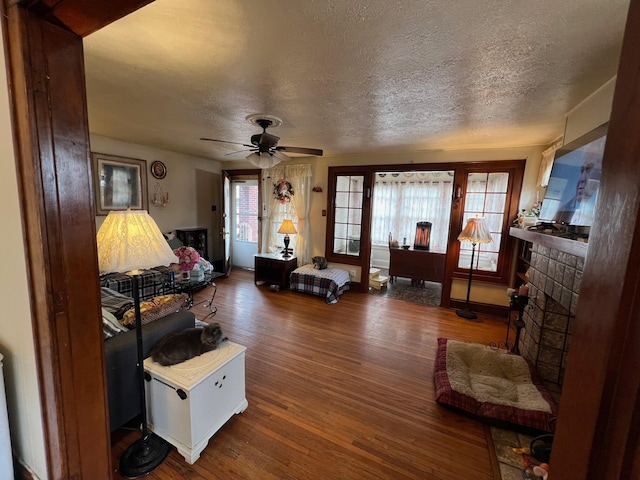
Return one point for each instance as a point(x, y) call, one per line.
point(244, 222)
point(405, 262)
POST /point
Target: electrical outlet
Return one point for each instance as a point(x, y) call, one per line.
point(352, 273)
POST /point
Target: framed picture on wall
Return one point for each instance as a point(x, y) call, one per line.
point(119, 183)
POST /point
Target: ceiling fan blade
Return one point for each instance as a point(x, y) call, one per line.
point(225, 141)
point(307, 151)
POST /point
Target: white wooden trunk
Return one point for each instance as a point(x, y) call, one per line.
point(189, 402)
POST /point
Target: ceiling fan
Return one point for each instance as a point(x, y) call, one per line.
point(264, 146)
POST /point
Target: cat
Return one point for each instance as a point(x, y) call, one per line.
point(178, 347)
point(319, 263)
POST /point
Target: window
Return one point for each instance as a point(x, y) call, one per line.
point(402, 199)
point(491, 193)
point(246, 212)
point(348, 214)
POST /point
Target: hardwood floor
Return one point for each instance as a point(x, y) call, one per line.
point(341, 391)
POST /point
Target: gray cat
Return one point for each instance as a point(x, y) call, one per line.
point(319, 263)
point(178, 347)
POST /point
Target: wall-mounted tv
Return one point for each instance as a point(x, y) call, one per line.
point(571, 195)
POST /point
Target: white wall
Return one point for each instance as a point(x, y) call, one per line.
point(592, 112)
point(180, 181)
point(16, 334)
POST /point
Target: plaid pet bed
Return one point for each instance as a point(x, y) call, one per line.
point(504, 415)
point(329, 283)
point(151, 283)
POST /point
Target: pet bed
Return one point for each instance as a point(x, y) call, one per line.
point(492, 386)
point(328, 283)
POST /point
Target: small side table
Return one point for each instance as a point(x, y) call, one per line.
point(274, 269)
point(190, 286)
point(189, 402)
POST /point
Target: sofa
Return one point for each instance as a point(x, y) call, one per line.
point(121, 356)
point(120, 349)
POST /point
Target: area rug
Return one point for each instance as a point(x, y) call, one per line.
point(401, 289)
point(493, 386)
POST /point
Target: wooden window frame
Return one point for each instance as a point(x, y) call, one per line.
point(515, 169)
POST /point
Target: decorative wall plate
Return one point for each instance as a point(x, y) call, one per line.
point(158, 169)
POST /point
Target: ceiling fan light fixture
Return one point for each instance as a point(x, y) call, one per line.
point(264, 160)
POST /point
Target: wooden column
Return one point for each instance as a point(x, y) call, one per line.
point(599, 418)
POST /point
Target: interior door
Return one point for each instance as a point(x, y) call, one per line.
point(226, 223)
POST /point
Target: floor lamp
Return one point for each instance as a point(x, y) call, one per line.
point(129, 241)
point(475, 232)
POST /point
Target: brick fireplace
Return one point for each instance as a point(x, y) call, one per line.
point(554, 274)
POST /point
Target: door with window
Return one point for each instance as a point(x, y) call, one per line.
point(244, 222)
point(491, 191)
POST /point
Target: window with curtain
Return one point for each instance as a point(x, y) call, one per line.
point(401, 200)
point(294, 206)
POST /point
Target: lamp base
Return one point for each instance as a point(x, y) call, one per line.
point(466, 313)
point(143, 456)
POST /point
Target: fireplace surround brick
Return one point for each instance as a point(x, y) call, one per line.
point(554, 283)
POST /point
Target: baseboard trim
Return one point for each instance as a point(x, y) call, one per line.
point(486, 308)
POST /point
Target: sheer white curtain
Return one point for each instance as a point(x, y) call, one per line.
point(300, 178)
point(398, 205)
point(274, 212)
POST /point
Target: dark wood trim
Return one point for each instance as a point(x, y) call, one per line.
point(48, 103)
point(598, 426)
point(82, 17)
point(515, 169)
point(54, 173)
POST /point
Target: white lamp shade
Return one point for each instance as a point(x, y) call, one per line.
point(266, 160)
point(475, 232)
point(131, 240)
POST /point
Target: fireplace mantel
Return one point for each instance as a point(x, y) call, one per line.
point(573, 247)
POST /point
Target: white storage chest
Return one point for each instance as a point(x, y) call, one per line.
point(187, 403)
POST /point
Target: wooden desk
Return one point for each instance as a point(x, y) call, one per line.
point(418, 265)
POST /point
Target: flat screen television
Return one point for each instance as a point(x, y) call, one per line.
point(572, 192)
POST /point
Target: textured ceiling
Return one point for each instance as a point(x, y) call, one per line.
point(349, 76)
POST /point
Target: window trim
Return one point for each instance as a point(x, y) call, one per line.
point(515, 169)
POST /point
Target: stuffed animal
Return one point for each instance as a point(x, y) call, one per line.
point(319, 263)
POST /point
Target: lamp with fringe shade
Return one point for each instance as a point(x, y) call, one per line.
point(475, 232)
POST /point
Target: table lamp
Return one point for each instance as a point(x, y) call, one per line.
point(129, 241)
point(287, 228)
point(475, 232)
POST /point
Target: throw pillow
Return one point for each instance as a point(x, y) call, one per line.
point(155, 308)
point(110, 325)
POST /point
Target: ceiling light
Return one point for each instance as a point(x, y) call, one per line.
point(265, 159)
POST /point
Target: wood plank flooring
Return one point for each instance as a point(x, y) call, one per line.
point(341, 391)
